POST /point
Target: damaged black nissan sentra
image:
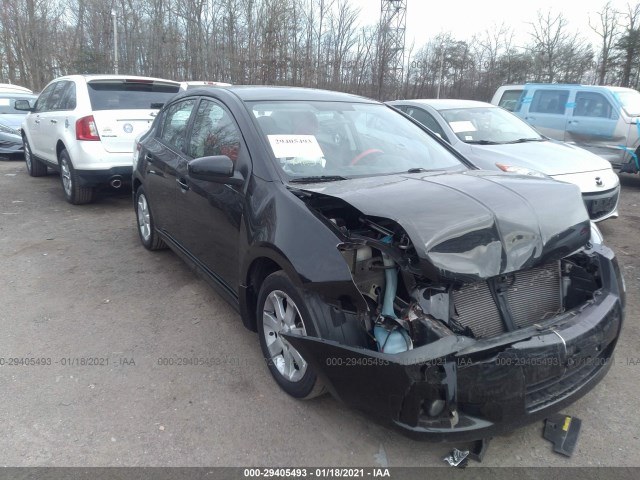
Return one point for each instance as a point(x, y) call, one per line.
point(376, 263)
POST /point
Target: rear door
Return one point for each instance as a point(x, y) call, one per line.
point(162, 155)
point(55, 120)
point(123, 109)
point(547, 112)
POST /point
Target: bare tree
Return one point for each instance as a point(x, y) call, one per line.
point(607, 28)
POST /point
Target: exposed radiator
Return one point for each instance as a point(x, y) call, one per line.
point(532, 295)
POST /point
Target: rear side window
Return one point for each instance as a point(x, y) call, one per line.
point(125, 95)
point(175, 122)
point(510, 99)
point(590, 104)
point(549, 101)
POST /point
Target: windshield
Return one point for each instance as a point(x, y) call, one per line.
point(127, 95)
point(488, 125)
point(336, 140)
point(630, 100)
point(8, 102)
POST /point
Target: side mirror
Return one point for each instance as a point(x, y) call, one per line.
point(22, 105)
point(218, 168)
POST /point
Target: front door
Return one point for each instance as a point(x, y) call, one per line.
point(210, 213)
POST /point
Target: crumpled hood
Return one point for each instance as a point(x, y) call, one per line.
point(548, 157)
point(473, 225)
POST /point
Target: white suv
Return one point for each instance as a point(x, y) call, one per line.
point(84, 126)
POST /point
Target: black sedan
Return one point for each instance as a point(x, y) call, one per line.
point(376, 263)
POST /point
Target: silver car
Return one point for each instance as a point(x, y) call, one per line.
point(493, 138)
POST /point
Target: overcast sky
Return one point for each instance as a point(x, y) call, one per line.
point(427, 18)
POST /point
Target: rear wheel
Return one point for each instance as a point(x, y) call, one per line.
point(34, 166)
point(281, 309)
point(146, 227)
point(73, 191)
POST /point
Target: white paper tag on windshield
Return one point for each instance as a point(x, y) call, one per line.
point(5, 102)
point(462, 126)
point(300, 146)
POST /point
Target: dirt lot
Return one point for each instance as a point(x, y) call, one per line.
point(76, 284)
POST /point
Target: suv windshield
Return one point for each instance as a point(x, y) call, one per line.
point(336, 140)
point(129, 95)
point(630, 100)
point(8, 102)
point(488, 125)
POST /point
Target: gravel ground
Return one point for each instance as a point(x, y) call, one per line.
point(75, 283)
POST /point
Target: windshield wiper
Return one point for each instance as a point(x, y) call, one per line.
point(482, 142)
point(319, 178)
point(524, 140)
point(417, 170)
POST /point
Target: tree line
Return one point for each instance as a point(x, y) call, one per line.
point(312, 43)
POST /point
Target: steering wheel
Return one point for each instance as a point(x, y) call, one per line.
point(364, 154)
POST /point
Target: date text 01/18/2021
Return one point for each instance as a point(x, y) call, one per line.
point(66, 361)
point(327, 472)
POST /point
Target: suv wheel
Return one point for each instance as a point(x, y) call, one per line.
point(73, 192)
point(35, 167)
point(146, 227)
point(281, 309)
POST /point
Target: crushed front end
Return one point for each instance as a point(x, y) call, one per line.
point(457, 355)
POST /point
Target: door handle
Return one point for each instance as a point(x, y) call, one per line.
point(573, 121)
point(36, 121)
point(148, 158)
point(182, 183)
point(54, 121)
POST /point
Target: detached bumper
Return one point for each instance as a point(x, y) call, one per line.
point(11, 145)
point(461, 389)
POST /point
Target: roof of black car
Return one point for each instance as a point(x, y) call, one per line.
point(271, 93)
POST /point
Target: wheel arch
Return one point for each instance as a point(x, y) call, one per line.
point(260, 267)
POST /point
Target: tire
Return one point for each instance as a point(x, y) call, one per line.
point(146, 227)
point(286, 365)
point(35, 167)
point(73, 192)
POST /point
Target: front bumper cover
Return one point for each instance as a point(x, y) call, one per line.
point(488, 386)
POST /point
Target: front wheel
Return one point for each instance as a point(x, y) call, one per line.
point(34, 166)
point(281, 309)
point(73, 191)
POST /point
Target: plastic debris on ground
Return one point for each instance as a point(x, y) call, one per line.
point(562, 430)
point(457, 458)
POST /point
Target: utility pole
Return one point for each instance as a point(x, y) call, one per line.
point(393, 19)
point(115, 42)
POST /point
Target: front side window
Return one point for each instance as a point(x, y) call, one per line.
point(427, 120)
point(549, 101)
point(175, 123)
point(341, 139)
point(589, 104)
point(41, 103)
point(214, 132)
